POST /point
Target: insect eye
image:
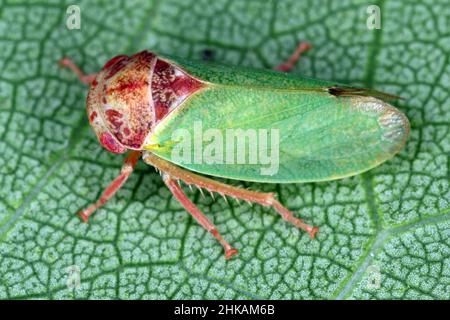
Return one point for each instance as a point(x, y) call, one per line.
point(111, 144)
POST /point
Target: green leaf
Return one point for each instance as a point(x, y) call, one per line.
point(384, 234)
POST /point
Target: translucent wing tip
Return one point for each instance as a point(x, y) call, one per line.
point(396, 126)
point(393, 123)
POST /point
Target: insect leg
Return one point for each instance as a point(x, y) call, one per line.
point(289, 64)
point(85, 78)
point(127, 168)
point(265, 199)
point(178, 193)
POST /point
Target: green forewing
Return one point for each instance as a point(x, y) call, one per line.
point(249, 77)
point(321, 136)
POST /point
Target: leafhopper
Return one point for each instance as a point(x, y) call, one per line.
point(148, 105)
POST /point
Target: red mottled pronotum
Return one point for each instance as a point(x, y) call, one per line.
point(135, 101)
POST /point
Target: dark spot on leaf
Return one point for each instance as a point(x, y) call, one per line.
point(208, 54)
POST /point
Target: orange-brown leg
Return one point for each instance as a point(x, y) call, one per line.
point(85, 78)
point(127, 168)
point(290, 63)
point(265, 199)
point(178, 193)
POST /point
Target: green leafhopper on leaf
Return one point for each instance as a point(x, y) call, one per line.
point(187, 118)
